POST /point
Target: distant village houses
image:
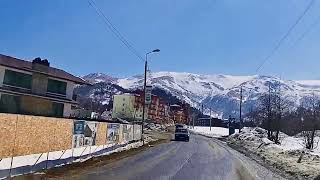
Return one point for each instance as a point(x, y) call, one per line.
point(35, 88)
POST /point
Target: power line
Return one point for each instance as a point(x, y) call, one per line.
point(314, 24)
point(275, 49)
point(114, 30)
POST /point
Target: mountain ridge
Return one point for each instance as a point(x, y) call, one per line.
point(218, 91)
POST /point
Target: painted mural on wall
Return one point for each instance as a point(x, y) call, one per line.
point(113, 133)
point(78, 133)
point(125, 132)
point(137, 132)
point(128, 132)
point(84, 133)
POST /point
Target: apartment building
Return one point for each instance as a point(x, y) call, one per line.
point(33, 87)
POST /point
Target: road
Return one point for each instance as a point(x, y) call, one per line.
point(200, 159)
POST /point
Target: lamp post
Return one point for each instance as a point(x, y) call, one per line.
point(144, 90)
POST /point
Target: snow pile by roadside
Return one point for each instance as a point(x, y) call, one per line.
point(127, 147)
point(283, 157)
point(155, 127)
point(215, 131)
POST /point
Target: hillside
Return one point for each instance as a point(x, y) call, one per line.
point(219, 92)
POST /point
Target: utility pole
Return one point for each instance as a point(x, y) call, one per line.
point(201, 109)
point(144, 91)
point(210, 118)
point(193, 121)
point(134, 117)
point(240, 113)
point(144, 97)
point(269, 111)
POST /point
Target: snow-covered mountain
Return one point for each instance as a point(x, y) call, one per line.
point(99, 77)
point(219, 92)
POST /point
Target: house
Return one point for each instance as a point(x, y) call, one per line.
point(33, 87)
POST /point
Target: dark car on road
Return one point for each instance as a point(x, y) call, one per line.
point(179, 126)
point(181, 134)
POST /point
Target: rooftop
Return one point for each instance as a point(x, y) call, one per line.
point(27, 66)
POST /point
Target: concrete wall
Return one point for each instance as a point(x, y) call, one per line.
point(70, 88)
point(121, 139)
point(67, 110)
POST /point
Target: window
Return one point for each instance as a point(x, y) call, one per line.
point(57, 109)
point(9, 104)
point(57, 87)
point(17, 79)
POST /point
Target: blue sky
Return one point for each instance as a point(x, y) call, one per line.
point(199, 36)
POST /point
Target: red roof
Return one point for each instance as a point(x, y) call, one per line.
point(27, 66)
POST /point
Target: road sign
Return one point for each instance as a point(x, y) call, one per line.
point(148, 94)
point(78, 127)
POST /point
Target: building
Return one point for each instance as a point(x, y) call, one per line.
point(205, 121)
point(179, 113)
point(130, 106)
point(139, 106)
point(124, 106)
point(153, 109)
point(35, 88)
point(162, 112)
point(157, 111)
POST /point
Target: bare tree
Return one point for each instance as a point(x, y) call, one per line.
point(310, 118)
point(272, 107)
point(265, 111)
point(280, 106)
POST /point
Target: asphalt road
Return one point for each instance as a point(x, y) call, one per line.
point(200, 159)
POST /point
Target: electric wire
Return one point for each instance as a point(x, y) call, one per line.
point(286, 35)
point(305, 33)
point(114, 30)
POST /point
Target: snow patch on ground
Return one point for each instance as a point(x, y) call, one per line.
point(215, 131)
point(282, 156)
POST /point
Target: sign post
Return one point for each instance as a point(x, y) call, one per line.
point(148, 95)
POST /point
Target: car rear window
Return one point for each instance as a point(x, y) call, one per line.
point(181, 130)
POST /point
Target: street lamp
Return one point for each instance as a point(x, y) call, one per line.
point(144, 89)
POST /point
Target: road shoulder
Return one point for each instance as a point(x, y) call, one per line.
point(63, 172)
